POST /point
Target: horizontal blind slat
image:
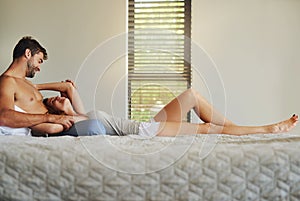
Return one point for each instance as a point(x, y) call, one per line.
point(158, 66)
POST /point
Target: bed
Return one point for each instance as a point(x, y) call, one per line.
point(202, 167)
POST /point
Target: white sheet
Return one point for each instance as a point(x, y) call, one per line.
point(206, 167)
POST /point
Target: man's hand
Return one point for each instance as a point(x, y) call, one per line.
point(65, 120)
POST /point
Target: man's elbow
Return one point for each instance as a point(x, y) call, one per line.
point(8, 118)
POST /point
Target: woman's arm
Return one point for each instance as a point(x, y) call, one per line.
point(56, 86)
point(67, 89)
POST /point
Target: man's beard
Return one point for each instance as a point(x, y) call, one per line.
point(30, 70)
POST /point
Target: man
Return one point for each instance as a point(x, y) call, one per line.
point(21, 102)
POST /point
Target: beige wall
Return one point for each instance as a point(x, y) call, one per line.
point(256, 47)
point(254, 43)
point(70, 30)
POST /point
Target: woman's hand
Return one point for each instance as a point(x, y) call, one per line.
point(72, 94)
point(68, 88)
point(70, 81)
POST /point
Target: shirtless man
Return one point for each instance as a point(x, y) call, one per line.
point(17, 93)
point(21, 102)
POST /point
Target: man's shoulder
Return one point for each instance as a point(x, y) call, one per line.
point(6, 79)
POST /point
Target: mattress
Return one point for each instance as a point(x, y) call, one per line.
point(199, 167)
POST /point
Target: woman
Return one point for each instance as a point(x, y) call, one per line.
point(168, 122)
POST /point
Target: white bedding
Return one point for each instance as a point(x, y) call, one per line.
point(203, 167)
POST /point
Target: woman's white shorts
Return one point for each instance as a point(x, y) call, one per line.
point(148, 129)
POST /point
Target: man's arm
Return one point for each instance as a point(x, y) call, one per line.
point(51, 128)
point(48, 128)
point(16, 119)
point(68, 90)
point(11, 118)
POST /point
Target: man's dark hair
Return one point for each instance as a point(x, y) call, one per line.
point(28, 42)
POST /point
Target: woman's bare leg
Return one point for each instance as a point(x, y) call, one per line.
point(190, 99)
point(184, 128)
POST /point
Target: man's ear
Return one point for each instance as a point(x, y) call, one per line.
point(28, 53)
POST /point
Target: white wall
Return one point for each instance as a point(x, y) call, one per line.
point(256, 47)
point(69, 30)
point(254, 43)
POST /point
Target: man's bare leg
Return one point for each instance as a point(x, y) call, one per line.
point(183, 128)
point(191, 99)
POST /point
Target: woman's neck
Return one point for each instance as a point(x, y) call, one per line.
point(70, 111)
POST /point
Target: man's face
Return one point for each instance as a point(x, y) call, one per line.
point(33, 64)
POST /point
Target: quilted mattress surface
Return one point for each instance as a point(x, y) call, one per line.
point(203, 167)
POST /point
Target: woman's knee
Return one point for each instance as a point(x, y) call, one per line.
point(194, 93)
point(191, 91)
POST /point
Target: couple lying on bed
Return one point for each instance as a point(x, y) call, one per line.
point(167, 122)
point(22, 107)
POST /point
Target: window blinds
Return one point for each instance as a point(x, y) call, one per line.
point(159, 54)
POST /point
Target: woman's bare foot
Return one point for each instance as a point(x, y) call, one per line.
point(284, 126)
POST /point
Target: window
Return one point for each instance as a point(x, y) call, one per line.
point(159, 52)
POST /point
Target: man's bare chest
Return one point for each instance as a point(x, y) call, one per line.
point(26, 93)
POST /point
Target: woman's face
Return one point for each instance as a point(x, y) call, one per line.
point(58, 104)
